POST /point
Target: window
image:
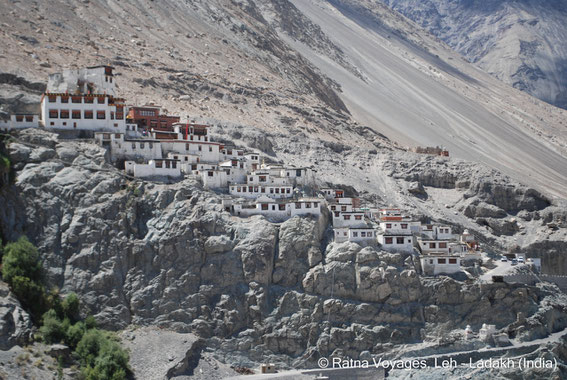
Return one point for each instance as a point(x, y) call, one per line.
point(264, 206)
point(134, 146)
point(200, 148)
point(167, 164)
point(441, 261)
point(370, 233)
point(315, 204)
point(452, 261)
point(443, 245)
point(142, 145)
point(111, 115)
point(363, 234)
point(337, 213)
point(432, 245)
point(358, 217)
point(186, 146)
point(271, 190)
point(100, 100)
point(64, 114)
point(277, 190)
point(194, 167)
point(343, 208)
point(355, 234)
point(20, 118)
point(174, 165)
point(53, 114)
point(262, 189)
point(52, 98)
point(159, 164)
point(400, 240)
point(76, 99)
point(346, 217)
point(244, 189)
point(76, 114)
point(116, 135)
point(283, 191)
point(281, 207)
point(404, 226)
point(89, 99)
point(29, 118)
point(298, 173)
point(430, 261)
point(229, 151)
point(297, 205)
point(333, 208)
point(250, 189)
point(308, 205)
point(152, 146)
point(100, 115)
point(210, 149)
point(64, 99)
point(262, 178)
point(389, 240)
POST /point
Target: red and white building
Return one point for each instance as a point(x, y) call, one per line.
point(19, 121)
point(149, 117)
point(436, 264)
point(83, 99)
point(154, 168)
point(279, 209)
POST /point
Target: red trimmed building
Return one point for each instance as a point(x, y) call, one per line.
point(149, 117)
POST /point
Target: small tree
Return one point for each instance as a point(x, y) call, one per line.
point(53, 330)
point(21, 259)
point(70, 307)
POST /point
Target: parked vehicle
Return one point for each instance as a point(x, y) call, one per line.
point(514, 262)
point(504, 259)
point(521, 259)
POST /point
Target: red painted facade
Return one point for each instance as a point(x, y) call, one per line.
point(149, 117)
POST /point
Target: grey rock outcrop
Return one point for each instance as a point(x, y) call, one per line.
point(15, 323)
point(170, 255)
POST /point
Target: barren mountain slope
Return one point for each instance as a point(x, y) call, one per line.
point(521, 42)
point(225, 60)
point(419, 92)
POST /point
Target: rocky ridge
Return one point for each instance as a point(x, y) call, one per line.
point(148, 253)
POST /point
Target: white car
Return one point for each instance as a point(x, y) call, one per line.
point(504, 259)
point(521, 259)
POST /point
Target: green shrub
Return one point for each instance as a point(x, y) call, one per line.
point(70, 307)
point(53, 329)
point(89, 347)
point(90, 322)
point(102, 357)
point(29, 293)
point(75, 334)
point(21, 259)
point(4, 164)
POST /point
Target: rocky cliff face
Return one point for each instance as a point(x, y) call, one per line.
point(520, 42)
point(143, 253)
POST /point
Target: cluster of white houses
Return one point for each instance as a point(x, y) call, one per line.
point(440, 251)
point(84, 100)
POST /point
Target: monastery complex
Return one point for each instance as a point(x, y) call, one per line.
point(150, 145)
